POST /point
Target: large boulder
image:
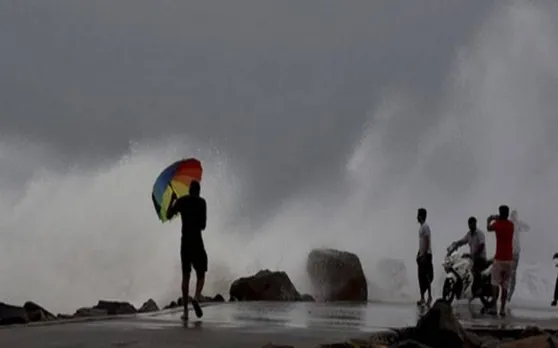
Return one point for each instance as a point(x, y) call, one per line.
point(86, 312)
point(37, 313)
point(439, 328)
point(103, 308)
point(116, 307)
point(149, 306)
point(10, 314)
point(173, 304)
point(30, 312)
point(336, 276)
point(264, 286)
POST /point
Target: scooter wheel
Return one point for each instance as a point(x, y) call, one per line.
point(448, 293)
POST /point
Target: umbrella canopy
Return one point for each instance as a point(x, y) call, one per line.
point(175, 178)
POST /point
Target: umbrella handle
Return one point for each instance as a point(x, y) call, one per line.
point(173, 191)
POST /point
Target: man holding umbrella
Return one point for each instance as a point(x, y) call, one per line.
point(193, 212)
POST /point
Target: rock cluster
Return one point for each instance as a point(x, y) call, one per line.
point(179, 302)
point(335, 276)
point(32, 312)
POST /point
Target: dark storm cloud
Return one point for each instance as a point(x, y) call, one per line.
point(284, 86)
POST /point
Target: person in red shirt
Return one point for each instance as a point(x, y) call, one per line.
point(502, 265)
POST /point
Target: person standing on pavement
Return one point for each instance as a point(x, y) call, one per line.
point(503, 259)
point(424, 258)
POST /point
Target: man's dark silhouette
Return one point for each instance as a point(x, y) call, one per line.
point(193, 212)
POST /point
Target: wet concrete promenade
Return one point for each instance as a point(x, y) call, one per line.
point(255, 324)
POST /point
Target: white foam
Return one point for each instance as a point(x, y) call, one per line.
point(72, 239)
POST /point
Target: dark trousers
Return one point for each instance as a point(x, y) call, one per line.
point(425, 272)
point(556, 290)
point(479, 265)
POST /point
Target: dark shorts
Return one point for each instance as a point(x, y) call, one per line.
point(193, 255)
point(425, 272)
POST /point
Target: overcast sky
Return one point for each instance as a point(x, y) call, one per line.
point(447, 104)
point(285, 86)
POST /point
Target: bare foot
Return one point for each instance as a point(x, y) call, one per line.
point(197, 308)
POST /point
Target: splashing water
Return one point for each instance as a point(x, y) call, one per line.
point(71, 239)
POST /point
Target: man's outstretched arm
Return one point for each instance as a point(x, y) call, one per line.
point(458, 243)
point(489, 224)
point(462, 241)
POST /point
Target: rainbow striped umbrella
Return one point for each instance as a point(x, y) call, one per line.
point(175, 178)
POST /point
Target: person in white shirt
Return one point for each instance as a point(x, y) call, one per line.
point(519, 228)
point(477, 245)
point(424, 258)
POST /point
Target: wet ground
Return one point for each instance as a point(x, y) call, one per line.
point(255, 324)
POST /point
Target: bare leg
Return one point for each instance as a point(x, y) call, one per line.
point(185, 290)
point(503, 300)
point(505, 282)
point(200, 281)
point(496, 293)
point(429, 301)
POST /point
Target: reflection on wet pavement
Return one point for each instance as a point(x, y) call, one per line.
point(370, 317)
